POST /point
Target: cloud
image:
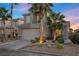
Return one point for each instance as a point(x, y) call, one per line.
point(75, 26)
point(22, 7)
point(73, 19)
point(72, 15)
point(71, 12)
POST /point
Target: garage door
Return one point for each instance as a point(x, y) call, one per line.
point(30, 34)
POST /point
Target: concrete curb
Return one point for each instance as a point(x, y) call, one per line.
point(46, 53)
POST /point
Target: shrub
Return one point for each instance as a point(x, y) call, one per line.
point(36, 40)
point(74, 37)
point(60, 39)
point(49, 38)
point(59, 45)
point(32, 41)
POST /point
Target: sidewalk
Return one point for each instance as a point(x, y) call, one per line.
point(14, 45)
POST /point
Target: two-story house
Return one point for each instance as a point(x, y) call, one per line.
point(31, 28)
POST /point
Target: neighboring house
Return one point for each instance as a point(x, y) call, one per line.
point(9, 27)
point(19, 22)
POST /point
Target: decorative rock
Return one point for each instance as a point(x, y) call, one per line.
point(67, 41)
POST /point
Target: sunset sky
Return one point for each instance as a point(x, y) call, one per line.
point(70, 10)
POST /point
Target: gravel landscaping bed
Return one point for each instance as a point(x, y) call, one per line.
point(68, 50)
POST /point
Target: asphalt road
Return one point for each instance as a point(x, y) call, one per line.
point(5, 52)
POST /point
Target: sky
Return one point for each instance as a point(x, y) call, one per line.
point(70, 10)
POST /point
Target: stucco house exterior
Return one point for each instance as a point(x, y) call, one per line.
point(8, 27)
point(31, 28)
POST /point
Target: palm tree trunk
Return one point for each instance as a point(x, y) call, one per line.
point(54, 34)
point(4, 32)
point(11, 20)
point(50, 34)
point(42, 34)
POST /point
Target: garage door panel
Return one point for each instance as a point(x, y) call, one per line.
point(30, 34)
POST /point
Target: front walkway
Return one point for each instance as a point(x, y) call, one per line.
point(17, 44)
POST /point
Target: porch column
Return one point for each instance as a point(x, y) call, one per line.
point(66, 33)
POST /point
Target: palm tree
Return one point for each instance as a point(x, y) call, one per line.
point(11, 8)
point(49, 25)
point(56, 20)
point(5, 16)
point(41, 10)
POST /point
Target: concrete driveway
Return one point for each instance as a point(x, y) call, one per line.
point(14, 45)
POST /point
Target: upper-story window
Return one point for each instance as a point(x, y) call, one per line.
point(27, 18)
